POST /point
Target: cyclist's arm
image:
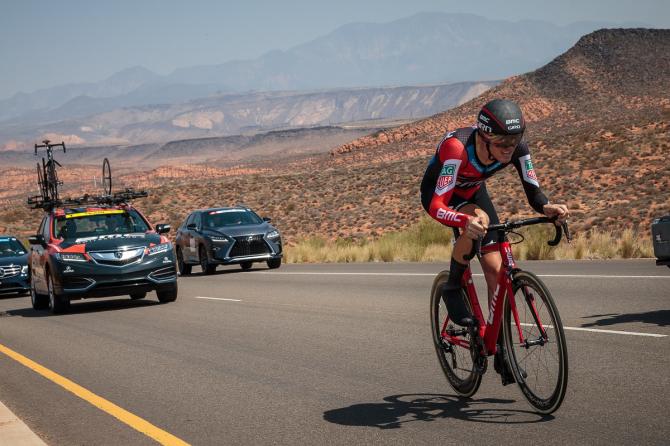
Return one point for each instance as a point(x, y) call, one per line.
point(451, 154)
point(524, 167)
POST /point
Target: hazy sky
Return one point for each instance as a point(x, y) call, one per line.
point(53, 42)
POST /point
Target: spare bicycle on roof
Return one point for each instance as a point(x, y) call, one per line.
point(48, 182)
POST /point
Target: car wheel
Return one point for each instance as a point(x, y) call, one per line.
point(39, 301)
point(184, 269)
point(274, 263)
point(137, 296)
point(246, 265)
point(207, 267)
point(57, 303)
point(168, 295)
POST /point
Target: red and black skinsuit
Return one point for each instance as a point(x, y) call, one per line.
point(455, 177)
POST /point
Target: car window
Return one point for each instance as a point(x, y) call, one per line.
point(230, 217)
point(41, 228)
point(10, 247)
point(45, 228)
point(97, 223)
point(190, 219)
point(197, 220)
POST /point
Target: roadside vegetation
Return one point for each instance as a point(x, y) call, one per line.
point(428, 241)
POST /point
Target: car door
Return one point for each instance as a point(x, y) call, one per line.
point(196, 237)
point(189, 241)
point(38, 258)
point(182, 239)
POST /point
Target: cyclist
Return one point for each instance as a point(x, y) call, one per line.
point(453, 191)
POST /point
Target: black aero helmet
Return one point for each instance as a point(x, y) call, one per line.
point(501, 117)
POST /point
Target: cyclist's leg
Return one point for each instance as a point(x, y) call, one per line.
point(458, 309)
point(490, 259)
point(491, 262)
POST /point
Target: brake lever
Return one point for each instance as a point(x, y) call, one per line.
point(557, 238)
point(566, 230)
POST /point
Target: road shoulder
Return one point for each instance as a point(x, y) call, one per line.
point(14, 431)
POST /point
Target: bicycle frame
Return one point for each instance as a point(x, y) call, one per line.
point(489, 329)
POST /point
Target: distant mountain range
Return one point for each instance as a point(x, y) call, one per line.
point(427, 48)
point(232, 114)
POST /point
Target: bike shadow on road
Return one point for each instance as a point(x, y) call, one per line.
point(86, 307)
point(657, 317)
point(398, 410)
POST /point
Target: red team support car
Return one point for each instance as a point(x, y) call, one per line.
point(84, 252)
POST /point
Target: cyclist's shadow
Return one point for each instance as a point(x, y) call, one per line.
point(406, 408)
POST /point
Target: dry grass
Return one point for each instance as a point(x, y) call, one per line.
point(428, 241)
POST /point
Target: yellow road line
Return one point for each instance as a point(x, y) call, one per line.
point(123, 415)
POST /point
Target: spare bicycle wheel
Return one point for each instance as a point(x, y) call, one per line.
point(106, 177)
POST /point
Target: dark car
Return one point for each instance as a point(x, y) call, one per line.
point(14, 271)
point(224, 236)
point(88, 252)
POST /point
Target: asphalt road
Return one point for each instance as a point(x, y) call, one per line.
point(334, 354)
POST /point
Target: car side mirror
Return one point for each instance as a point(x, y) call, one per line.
point(162, 228)
point(267, 219)
point(192, 226)
point(36, 240)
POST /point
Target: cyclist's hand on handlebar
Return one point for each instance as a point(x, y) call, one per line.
point(475, 228)
point(560, 211)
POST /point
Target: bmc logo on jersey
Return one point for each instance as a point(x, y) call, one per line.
point(443, 214)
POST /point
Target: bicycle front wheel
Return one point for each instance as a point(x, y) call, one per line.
point(536, 347)
point(452, 344)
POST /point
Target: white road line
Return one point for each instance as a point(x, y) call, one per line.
point(218, 298)
point(585, 276)
point(597, 330)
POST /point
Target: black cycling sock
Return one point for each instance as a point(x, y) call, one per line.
point(454, 298)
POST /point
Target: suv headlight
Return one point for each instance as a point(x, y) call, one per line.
point(24, 270)
point(219, 238)
point(163, 247)
point(272, 235)
point(71, 257)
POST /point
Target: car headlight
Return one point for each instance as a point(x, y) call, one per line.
point(71, 257)
point(272, 235)
point(163, 247)
point(24, 270)
point(219, 239)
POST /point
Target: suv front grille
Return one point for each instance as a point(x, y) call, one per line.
point(118, 257)
point(9, 271)
point(249, 245)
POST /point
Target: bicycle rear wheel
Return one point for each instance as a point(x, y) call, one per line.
point(539, 360)
point(455, 355)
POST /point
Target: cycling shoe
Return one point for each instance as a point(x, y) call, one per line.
point(459, 313)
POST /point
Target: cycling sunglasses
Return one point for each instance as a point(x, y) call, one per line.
point(502, 140)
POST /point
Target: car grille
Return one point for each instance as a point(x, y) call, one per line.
point(249, 245)
point(9, 271)
point(118, 258)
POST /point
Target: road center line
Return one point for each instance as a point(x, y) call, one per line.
point(112, 409)
point(218, 298)
point(585, 276)
point(599, 330)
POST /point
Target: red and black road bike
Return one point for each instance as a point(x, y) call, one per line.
point(522, 312)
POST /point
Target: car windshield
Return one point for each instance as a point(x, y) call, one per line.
point(230, 217)
point(96, 223)
point(10, 247)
